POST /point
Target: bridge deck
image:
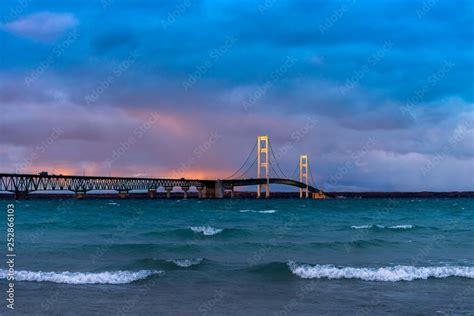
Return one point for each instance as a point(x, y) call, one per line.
point(25, 183)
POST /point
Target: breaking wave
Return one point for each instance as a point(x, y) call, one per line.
point(206, 230)
point(168, 264)
point(383, 274)
point(107, 277)
point(401, 227)
point(361, 227)
point(186, 263)
point(261, 212)
point(196, 231)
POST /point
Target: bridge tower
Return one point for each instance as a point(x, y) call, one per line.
point(262, 150)
point(304, 175)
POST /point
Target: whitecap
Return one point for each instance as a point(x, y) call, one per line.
point(186, 263)
point(206, 230)
point(361, 227)
point(401, 227)
point(408, 226)
point(261, 212)
point(113, 203)
point(382, 274)
point(267, 211)
point(246, 211)
point(107, 277)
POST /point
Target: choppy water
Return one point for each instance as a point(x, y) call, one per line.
point(280, 257)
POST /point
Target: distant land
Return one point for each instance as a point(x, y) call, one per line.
point(277, 195)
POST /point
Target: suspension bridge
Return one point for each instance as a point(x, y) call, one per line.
point(261, 159)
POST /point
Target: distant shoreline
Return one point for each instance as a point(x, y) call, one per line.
point(277, 195)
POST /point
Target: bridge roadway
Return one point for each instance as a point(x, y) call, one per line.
point(23, 184)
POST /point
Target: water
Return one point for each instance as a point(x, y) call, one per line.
point(277, 257)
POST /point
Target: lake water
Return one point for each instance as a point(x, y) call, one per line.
point(266, 257)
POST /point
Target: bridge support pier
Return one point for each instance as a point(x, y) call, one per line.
point(232, 193)
point(21, 195)
point(168, 192)
point(200, 192)
point(79, 195)
point(213, 190)
point(185, 192)
point(152, 193)
point(267, 194)
point(318, 195)
point(219, 190)
point(123, 194)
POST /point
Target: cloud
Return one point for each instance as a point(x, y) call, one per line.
point(333, 78)
point(42, 26)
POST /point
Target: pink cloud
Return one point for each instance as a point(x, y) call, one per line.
point(42, 26)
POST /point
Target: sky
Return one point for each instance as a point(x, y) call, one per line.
point(378, 94)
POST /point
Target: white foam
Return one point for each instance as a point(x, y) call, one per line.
point(262, 212)
point(185, 263)
point(383, 274)
point(113, 203)
point(401, 227)
point(107, 277)
point(408, 226)
point(206, 230)
point(362, 227)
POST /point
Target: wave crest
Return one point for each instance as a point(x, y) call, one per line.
point(384, 274)
point(206, 230)
point(261, 212)
point(401, 227)
point(107, 277)
point(361, 227)
point(186, 263)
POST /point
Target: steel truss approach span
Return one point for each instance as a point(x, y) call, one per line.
point(31, 182)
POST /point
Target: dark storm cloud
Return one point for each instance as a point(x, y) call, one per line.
point(395, 72)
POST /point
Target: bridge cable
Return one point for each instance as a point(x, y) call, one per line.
point(274, 171)
point(293, 175)
point(311, 174)
point(243, 165)
point(278, 165)
point(249, 168)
